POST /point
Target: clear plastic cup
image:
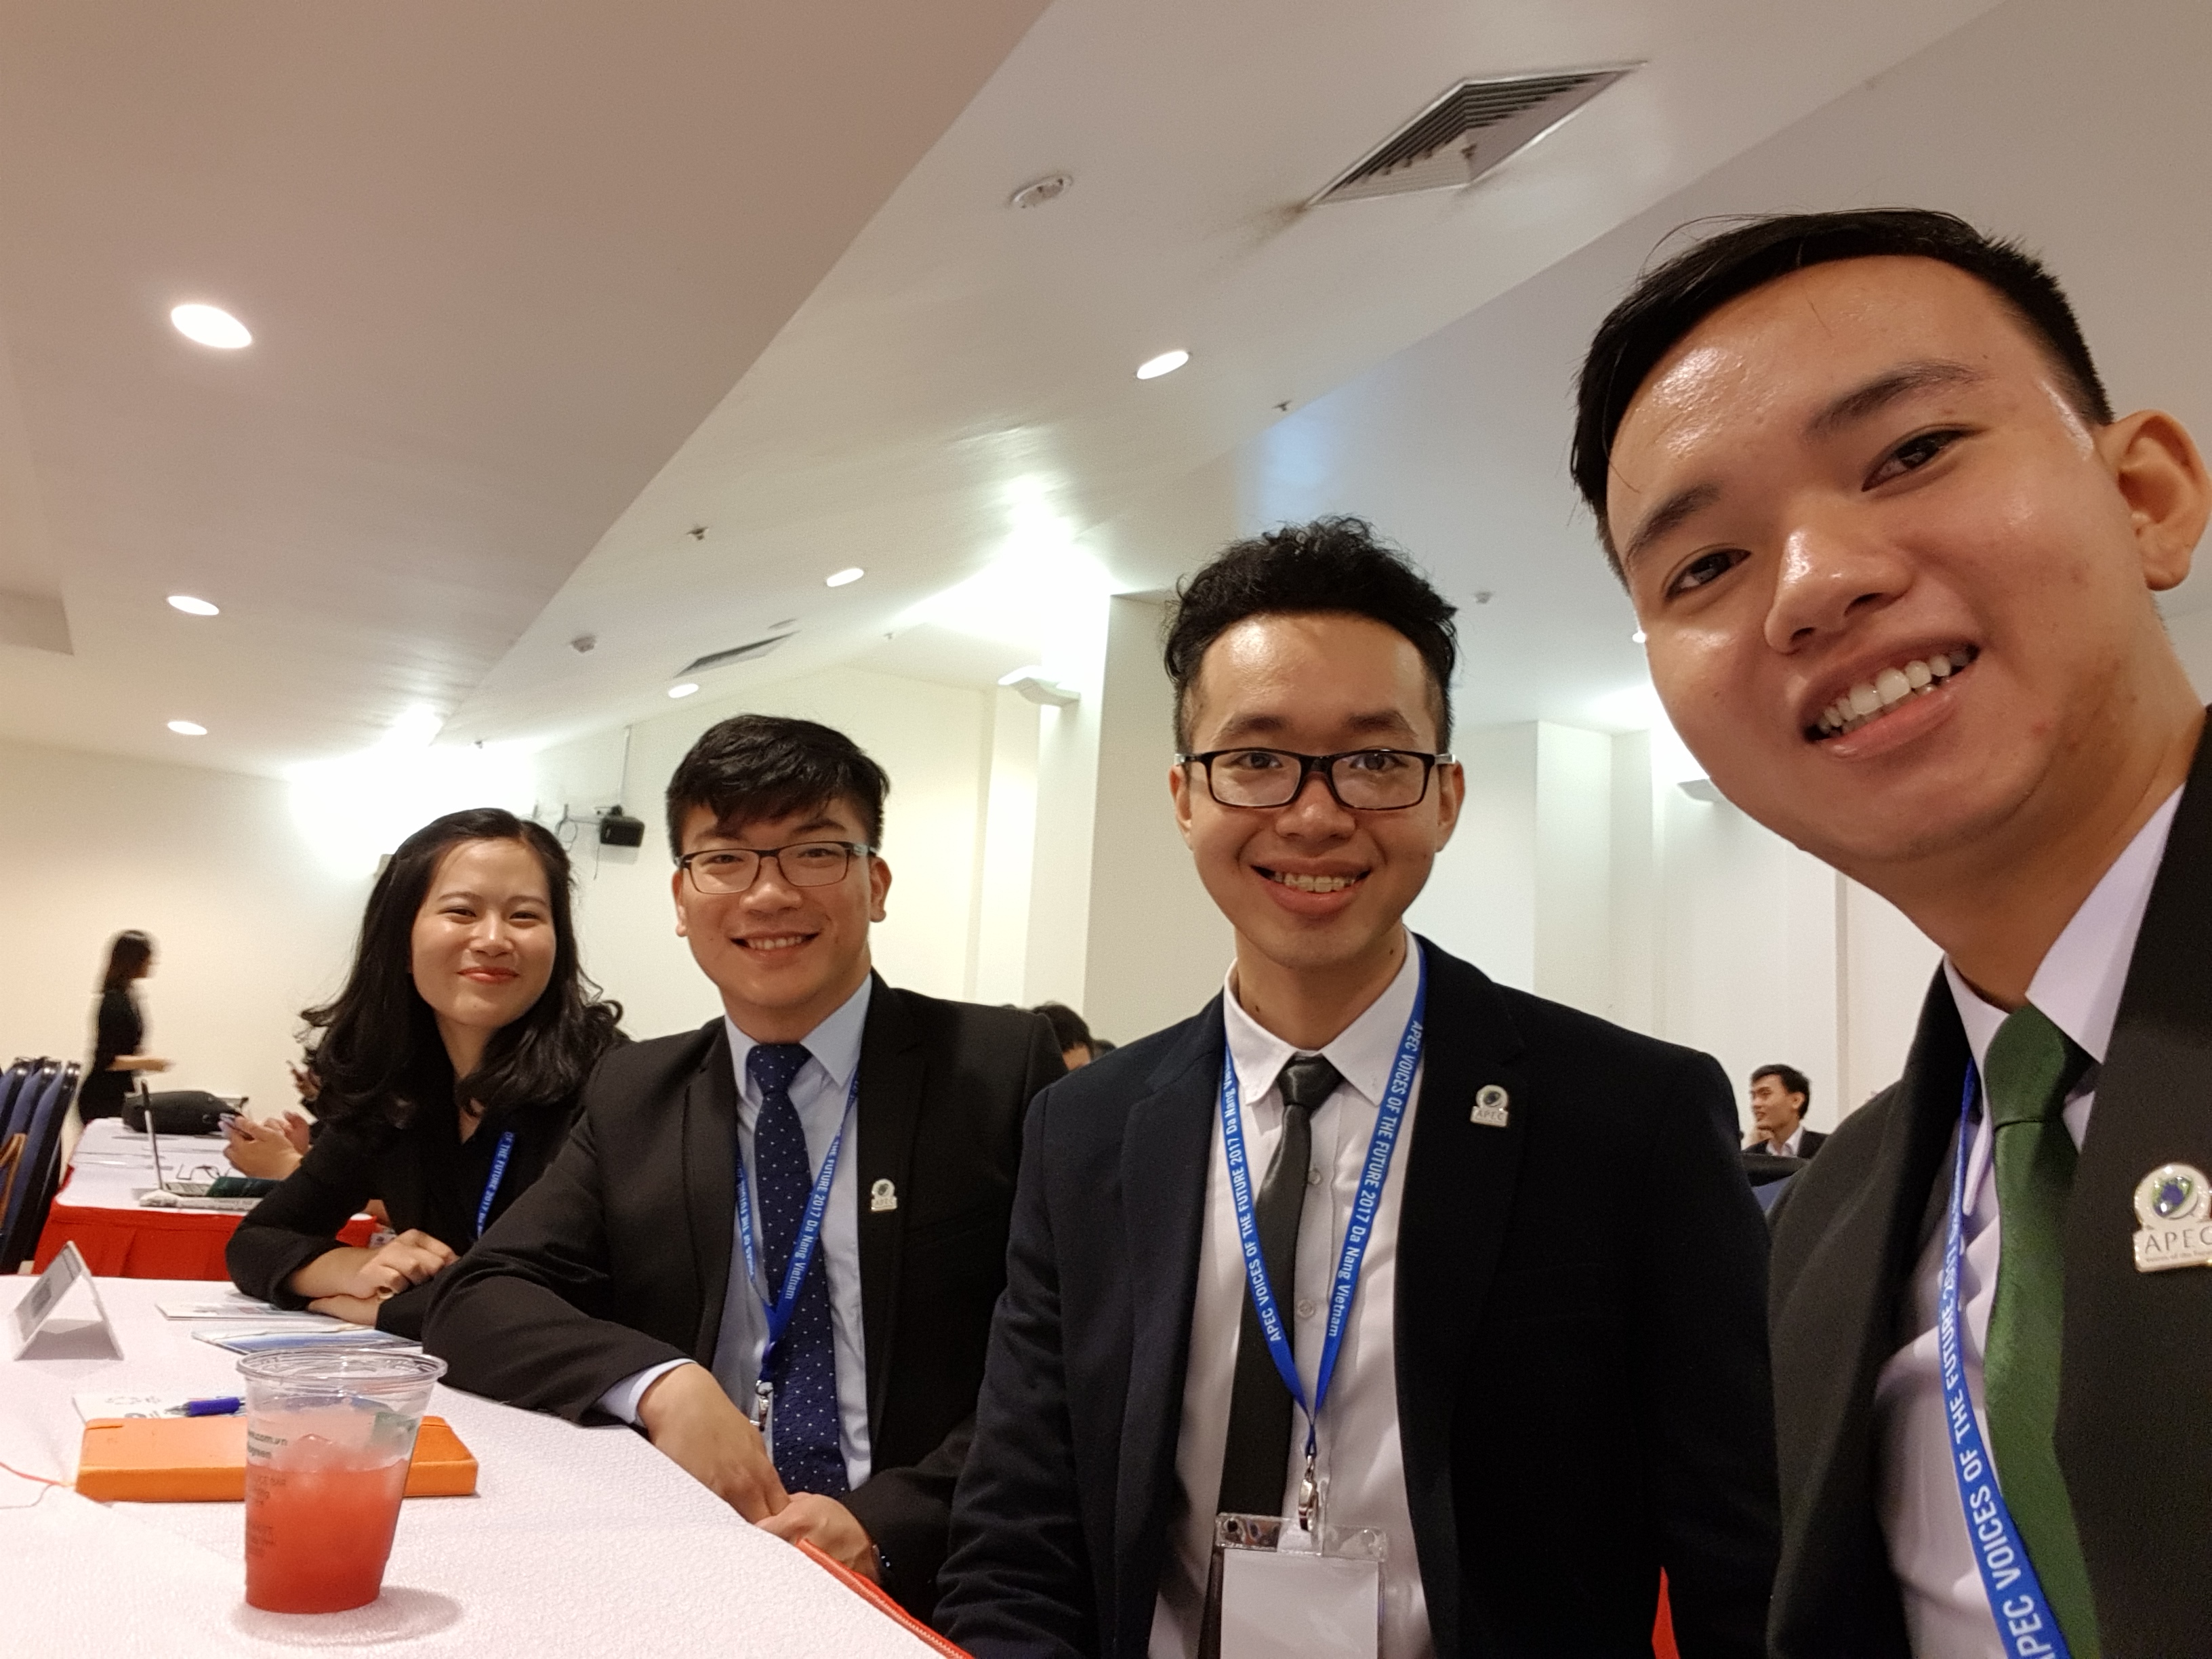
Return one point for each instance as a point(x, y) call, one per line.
point(329, 1436)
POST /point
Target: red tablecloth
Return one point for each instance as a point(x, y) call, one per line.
point(152, 1243)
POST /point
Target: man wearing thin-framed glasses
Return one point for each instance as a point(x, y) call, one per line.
point(773, 1243)
point(1545, 1369)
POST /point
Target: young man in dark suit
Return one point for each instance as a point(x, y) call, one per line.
point(1896, 560)
point(623, 1282)
point(1779, 1096)
point(1551, 1382)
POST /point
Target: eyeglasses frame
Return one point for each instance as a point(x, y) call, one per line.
point(1310, 765)
point(853, 849)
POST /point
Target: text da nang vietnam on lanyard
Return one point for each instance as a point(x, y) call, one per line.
point(1380, 1145)
point(779, 1308)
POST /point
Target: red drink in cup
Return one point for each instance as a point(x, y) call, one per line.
point(328, 1438)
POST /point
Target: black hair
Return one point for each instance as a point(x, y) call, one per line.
point(1793, 1081)
point(1331, 566)
point(128, 953)
point(1069, 1029)
point(1666, 303)
point(766, 766)
point(374, 1049)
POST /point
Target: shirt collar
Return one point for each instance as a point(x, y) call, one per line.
point(835, 1044)
point(2078, 983)
point(1362, 1052)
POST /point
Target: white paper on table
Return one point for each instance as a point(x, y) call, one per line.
point(242, 1309)
point(1278, 1604)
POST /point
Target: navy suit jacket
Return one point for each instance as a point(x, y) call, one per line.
point(1581, 1370)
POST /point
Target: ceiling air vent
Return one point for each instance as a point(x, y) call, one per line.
point(736, 654)
point(1469, 131)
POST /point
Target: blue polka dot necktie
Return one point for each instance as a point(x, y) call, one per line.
point(804, 1368)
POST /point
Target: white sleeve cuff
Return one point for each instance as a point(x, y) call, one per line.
point(620, 1401)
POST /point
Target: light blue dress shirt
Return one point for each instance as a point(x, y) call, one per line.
point(818, 1093)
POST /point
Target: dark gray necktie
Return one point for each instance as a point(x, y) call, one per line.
point(1255, 1462)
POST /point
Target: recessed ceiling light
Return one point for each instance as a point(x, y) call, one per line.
point(194, 607)
point(1637, 638)
point(685, 690)
point(188, 728)
point(211, 326)
point(1166, 363)
point(845, 578)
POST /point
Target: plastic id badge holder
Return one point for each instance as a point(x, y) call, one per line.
point(1277, 1591)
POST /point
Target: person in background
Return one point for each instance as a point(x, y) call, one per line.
point(1779, 1096)
point(1076, 1046)
point(446, 1072)
point(270, 1148)
point(1552, 1379)
point(801, 1206)
point(119, 1031)
point(1898, 560)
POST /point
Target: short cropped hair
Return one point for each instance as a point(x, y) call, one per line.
point(751, 767)
point(1793, 1082)
point(1666, 303)
point(1335, 566)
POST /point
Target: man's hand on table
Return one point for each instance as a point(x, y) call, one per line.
point(354, 1309)
point(830, 1527)
point(693, 1424)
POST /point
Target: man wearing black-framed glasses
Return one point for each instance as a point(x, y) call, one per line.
point(1549, 1380)
point(773, 1243)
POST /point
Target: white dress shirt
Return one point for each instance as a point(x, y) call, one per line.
point(1360, 1459)
point(818, 1092)
point(2077, 986)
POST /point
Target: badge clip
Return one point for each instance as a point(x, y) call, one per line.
point(1308, 1496)
point(2173, 1202)
point(762, 1407)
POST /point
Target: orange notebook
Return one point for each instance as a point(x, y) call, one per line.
point(202, 1460)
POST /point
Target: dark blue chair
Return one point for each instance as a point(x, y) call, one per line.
point(39, 1174)
point(15, 1103)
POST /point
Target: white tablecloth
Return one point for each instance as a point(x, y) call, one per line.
point(111, 1166)
point(579, 1541)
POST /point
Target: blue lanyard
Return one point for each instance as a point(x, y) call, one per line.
point(1356, 1233)
point(785, 1303)
point(499, 1157)
point(2008, 1580)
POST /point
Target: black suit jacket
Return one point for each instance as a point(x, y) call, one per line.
point(2135, 1412)
point(1582, 1371)
point(618, 1258)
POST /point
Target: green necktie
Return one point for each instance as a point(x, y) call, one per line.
point(2031, 1067)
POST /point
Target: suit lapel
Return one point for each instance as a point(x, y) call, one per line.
point(892, 1068)
point(1165, 1145)
point(1458, 1196)
point(2134, 1437)
point(710, 1182)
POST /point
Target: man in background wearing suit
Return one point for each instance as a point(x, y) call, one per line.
point(625, 1280)
point(1896, 560)
point(1552, 1381)
point(1779, 1096)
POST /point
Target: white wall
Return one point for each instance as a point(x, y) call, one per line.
point(250, 921)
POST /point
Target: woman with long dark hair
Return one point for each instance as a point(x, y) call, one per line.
point(119, 1030)
point(445, 1072)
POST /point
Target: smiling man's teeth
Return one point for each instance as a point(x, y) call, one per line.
point(1870, 698)
point(781, 942)
point(1314, 883)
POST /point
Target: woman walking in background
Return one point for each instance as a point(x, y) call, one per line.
point(443, 1074)
point(119, 1028)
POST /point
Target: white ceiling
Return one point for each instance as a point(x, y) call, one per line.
point(540, 289)
point(2084, 133)
point(501, 258)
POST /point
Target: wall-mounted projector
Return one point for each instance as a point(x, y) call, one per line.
point(618, 829)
